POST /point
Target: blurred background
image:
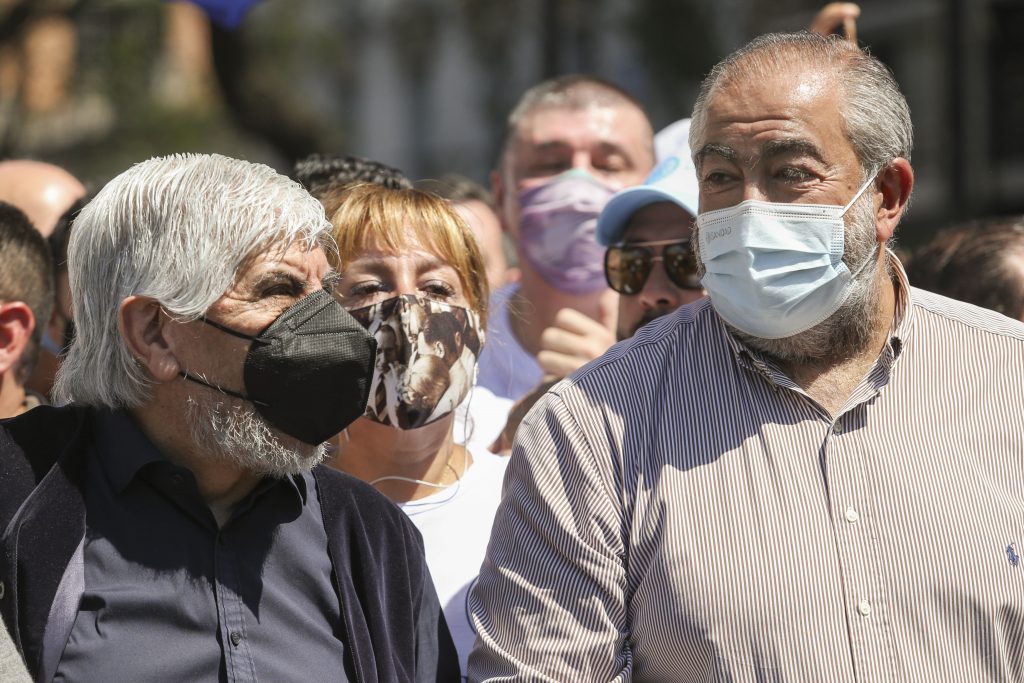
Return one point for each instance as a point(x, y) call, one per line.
point(425, 85)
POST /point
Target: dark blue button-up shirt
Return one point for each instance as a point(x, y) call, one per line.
point(169, 596)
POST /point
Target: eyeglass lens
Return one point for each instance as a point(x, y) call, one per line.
point(628, 267)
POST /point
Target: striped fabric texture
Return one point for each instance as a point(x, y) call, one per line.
point(680, 511)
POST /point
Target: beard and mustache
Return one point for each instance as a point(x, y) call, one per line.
point(232, 431)
point(847, 331)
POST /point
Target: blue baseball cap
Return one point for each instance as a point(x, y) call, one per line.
point(672, 180)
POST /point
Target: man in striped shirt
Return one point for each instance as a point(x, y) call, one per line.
point(812, 475)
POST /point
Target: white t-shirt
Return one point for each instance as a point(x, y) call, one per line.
point(506, 369)
point(480, 419)
point(456, 525)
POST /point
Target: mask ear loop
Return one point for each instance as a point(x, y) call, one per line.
point(333, 450)
point(865, 186)
point(468, 423)
point(871, 179)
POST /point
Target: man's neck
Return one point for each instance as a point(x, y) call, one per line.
point(12, 396)
point(831, 382)
point(533, 307)
point(221, 484)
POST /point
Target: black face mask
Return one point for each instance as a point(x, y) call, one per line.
point(308, 372)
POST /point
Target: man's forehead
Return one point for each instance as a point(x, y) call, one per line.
point(298, 255)
point(796, 104)
point(619, 123)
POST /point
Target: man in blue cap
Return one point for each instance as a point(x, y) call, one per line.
point(641, 226)
point(646, 225)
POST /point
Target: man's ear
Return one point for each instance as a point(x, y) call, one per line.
point(895, 182)
point(143, 325)
point(16, 325)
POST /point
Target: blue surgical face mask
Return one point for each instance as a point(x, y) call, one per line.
point(776, 270)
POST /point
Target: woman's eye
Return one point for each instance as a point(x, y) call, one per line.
point(437, 288)
point(366, 288)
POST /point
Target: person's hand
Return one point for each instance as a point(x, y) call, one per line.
point(834, 14)
point(574, 340)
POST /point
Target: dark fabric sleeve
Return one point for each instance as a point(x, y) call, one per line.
point(396, 629)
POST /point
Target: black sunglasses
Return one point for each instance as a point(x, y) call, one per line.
point(627, 266)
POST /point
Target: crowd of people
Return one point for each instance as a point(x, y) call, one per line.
point(654, 407)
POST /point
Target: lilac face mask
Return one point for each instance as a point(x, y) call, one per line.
point(558, 231)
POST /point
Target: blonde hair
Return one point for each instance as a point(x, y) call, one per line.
point(364, 214)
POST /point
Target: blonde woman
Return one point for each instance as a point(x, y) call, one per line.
point(412, 273)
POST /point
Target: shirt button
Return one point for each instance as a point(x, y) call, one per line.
point(852, 515)
point(837, 428)
point(864, 607)
point(236, 638)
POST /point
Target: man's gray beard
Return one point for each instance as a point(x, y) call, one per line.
point(232, 431)
point(848, 331)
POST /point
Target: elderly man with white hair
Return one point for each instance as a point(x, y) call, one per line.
point(811, 475)
point(172, 523)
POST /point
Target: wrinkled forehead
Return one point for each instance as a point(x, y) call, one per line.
point(300, 256)
point(748, 111)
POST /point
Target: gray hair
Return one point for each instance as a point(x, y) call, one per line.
point(875, 113)
point(176, 229)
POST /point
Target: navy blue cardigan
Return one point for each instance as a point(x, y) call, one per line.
point(394, 626)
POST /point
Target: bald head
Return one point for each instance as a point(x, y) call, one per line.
point(874, 112)
point(43, 191)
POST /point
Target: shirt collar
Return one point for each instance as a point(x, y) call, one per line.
point(124, 450)
point(123, 447)
point(903, 319)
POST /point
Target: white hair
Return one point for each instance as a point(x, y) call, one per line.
point(176, 229)
point(874, 110)
point(233, 432)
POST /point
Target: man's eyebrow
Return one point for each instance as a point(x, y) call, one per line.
point(719, 150)
point(550, 146)
point(791, 147)
point(330, 279)
point(276, 277)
